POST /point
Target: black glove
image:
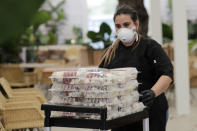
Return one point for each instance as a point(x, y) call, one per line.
point(148, 97)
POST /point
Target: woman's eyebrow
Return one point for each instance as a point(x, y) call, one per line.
point(126, 22)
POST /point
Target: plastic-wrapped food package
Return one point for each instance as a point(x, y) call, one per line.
point(138, 106)
point(98, 77)
point(97, 87)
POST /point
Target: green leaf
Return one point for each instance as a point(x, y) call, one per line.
point(60, 15)
point(103, 34)
point(192, 43)
point(52, 38)
point(95, 37)
point(40, 17)
point(167, 31)
point(105, 28)
point(16, 17)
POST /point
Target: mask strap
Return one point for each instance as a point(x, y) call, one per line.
point(137, 37)
point(135, 33)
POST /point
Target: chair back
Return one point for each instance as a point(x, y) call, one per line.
point(2, 101)
point(6, 86)
point(12, 72)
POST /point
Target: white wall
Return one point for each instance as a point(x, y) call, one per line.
point(191, 10)
point(76, 15)
point(154, 25)
point(181, 68)
point(165, 12)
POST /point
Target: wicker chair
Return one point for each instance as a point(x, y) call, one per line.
point(1, 125)
point(18, 100)
point(16, 76)
point(32, 90)
point(13, 93)
point(21, 114)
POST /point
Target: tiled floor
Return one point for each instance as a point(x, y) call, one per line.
point(183, 123)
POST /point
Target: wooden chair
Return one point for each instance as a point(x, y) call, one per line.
point(12, 93)
point(19, 114)
point(17, 77)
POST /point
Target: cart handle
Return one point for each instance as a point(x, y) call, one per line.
point(71, 108)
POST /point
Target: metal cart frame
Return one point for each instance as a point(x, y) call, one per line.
point(101, 124)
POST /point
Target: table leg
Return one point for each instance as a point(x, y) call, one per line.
point(146, 124)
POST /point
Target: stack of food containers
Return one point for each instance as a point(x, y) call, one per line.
point(115, 89)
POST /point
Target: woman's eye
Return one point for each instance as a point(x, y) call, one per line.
point(117, 26)
point(126, 24)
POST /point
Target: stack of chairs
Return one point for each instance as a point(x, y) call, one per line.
point(22, 108)
point(21, 113)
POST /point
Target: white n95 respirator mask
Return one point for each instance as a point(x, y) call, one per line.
point(126, 35)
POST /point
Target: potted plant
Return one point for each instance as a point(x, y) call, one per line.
point(13, 24)
point(34, 37)
point(104, 35)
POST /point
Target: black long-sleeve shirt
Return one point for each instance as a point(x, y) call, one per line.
point(151, 61)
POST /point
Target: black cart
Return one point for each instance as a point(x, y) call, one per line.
point(101, 124)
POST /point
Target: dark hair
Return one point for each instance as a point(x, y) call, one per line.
point(126, 9)
point(110, 53)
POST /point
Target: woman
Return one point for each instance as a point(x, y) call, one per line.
point(156, 71)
